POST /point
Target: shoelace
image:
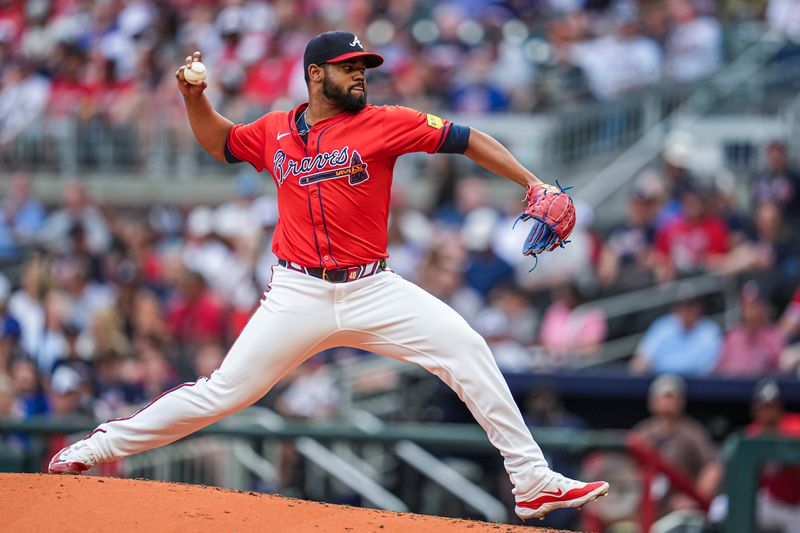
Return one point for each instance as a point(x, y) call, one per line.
point(561, 479)
point(81, 451)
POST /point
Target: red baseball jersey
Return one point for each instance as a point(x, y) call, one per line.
point(334, 189)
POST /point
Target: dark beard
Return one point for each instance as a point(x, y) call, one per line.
point(345, 99)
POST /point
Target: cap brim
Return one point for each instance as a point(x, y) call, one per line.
point(371, 60)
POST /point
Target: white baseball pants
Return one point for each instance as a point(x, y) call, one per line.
point(300, 316)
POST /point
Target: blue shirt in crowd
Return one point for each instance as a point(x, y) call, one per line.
point(669, 347)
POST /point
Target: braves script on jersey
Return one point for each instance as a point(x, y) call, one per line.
point(333, 191)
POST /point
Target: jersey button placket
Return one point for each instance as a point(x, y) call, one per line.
point(319, 228)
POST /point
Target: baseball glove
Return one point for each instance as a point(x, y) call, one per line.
point(553, 214)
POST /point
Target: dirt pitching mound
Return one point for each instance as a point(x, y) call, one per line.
point(40, 503)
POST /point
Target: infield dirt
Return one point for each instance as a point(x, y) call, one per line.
point(44, 503)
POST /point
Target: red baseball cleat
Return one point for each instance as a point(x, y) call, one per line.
point(560, 493)
point(72, 460)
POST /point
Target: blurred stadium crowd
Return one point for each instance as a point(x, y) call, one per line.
point(113, 61)
point(119, 304)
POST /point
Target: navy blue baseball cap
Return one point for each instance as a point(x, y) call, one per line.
point(336, 46)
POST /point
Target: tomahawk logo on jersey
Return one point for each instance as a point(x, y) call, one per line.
point(333, 189)
point(336, 164)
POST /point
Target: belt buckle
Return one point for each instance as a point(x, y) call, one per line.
point(325, 274)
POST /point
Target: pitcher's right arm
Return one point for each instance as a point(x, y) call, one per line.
point(209, 127)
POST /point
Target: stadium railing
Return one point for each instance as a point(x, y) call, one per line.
point(652, 463)
point(743, 461)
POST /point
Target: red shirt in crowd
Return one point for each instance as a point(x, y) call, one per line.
point(333, 191)
point(66, 97)
point(690, 244)
point(782, 482)
point(197, 320)
point(268, 80)
point(793, 309)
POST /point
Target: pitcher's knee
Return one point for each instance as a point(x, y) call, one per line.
point(470, 342)
point(223, 398)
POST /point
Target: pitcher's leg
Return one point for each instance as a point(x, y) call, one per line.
point(398, 319)
point(271, 344)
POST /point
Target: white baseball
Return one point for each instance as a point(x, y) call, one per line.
point(195, 75)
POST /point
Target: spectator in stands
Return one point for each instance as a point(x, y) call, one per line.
point(682, 342)
point(568, 332)
point(483, 269)
point(113, 395)
point(195, 315)
point(23, 97)
point(78, 211)
point(622, 60)
point(471, 193)
point(495, 327)
point(441, 274)
point(725, 204)
point(681, 440)
point(107, 336)
point(148, 317)
point(677, 178)
point(7, 398)
point(57, 312)
point(626, 261)
point(72, 356)
point(10, 331)
point(694, 43)
point(754, 346)
point(771, 251)
point(523, 318)
point(68, 394)
point(9, 410)
point(409, 235)
point(778, 182)
point(790, 327)
point(27, 303)
point(152, 371)
point(208, 359)
point(476, 90)
point(87, 296)
point(783, 16)
point(778, 502)
point(206, 252)
point(31, 400)
point(694, 241)
point(561, 82)
point(311, 392)
point(21, 215)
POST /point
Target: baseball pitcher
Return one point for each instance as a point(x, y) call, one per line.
point(332, 160)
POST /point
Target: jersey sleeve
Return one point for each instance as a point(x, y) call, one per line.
point(246, 143)
point(407, 130)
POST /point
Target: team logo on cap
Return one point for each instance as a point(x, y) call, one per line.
point(356, 42)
